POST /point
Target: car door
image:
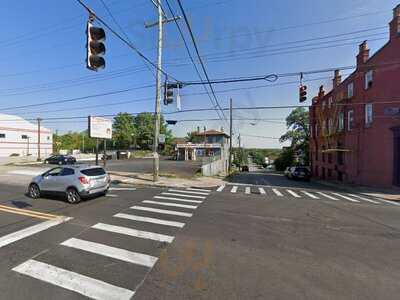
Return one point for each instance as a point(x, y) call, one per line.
point(65, 179)
point(49, 182)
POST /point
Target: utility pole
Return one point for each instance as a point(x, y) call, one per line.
point(161, 20)
point(39, 120)
point(97, 151)
point(230, 137)
point(104, 153)
point(83, 143)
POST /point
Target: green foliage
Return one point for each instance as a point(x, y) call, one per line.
point(285, 159)
point(193, 138)
point(124, 130)
point(258, 155)
point(298, 133)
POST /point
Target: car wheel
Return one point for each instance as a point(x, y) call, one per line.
point(34, 191)
point(60, 163)
point(73, 196)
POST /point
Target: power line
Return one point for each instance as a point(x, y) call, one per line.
point(199, 57)
point(190, 55)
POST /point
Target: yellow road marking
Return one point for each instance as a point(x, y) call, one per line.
point(27, 212)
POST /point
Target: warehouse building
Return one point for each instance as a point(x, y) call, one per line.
point(18, 137)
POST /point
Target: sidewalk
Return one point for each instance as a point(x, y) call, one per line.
point(165, 180)
point(386, 194)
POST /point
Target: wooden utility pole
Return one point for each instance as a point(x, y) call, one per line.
point(230, 137)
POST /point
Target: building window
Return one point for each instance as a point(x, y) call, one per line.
point(350, 120)
point(48, 138)
point(323, 104)
point(329, 158)
point(368, 79)
point(24, 137)
point(323, 127)
point(2, 135)
point(329, 173)
point(350, 90)
point(341, 121)
point(368, 114)
point(330, 101)
point(316, 130)
point(330, 128)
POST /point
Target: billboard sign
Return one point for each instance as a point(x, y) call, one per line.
point(100, 128)
point(161, 139)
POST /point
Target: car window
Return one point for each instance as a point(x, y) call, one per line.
point(93, 172)
point(67, 172)
point(54, 172)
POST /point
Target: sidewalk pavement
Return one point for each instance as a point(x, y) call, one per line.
point(165, 180)
point(386, 194)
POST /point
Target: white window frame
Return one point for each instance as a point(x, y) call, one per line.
point(369, 77)
point(330, 101)
point(350, 90)
point(330, 126)
point(369, 114)
point(350, 120)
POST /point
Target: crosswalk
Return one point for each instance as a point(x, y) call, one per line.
point(133, 236)
point(292, 194)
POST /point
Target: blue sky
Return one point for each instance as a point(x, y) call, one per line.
point(43, 57)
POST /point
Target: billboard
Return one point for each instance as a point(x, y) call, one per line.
point(100, 128)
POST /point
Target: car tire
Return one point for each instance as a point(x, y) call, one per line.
point(34, 191)
point(72, 196)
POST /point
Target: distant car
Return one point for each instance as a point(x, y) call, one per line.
point(287, 172)
point(245, 168)
point(74, 182)
point(60, 160)
point(300, 172)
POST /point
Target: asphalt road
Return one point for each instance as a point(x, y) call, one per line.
point(245, 243)
point(185, 169)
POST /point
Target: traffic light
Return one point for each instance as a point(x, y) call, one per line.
point(95, 47)
point(303, 93)
point(172, 122)
point(170, 94)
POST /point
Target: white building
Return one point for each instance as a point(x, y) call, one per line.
point(18, 136)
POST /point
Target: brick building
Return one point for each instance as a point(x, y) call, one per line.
point(355, 128)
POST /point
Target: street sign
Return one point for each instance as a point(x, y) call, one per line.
point(161, 139)
point(100, 128)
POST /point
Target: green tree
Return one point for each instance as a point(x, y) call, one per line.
point(298, 133)
point(144, 124)
point(124, 130)
point(285, 159)
point(193, 138)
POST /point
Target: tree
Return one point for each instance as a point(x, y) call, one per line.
point(144, 125)
point(124, 130)
point(285, 159)
point(193, 138)
point(298, 133)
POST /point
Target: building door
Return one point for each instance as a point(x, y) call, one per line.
point(396, 156)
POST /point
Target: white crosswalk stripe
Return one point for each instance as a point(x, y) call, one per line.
point(113, 252)
point(134, 232)
point(309, 195)
point(261, 190)
point(181, 195)
point(198, 190)
point(247, 190)
point(345, 197)
point(170, 204)
point(150, 220)
point(327, 196)
point(188, 192)
point(221, 188)
point(293, 194)
point(177, 199)
point(121, 189)
point(364, 199)
point(162, 211)
point(277, 192)
point(234, 189)
point(72, 281)
point(390, 202)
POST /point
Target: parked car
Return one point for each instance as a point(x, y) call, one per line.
point(287, 172)
point(299, 172)
point(74, 182)
point(60, 160)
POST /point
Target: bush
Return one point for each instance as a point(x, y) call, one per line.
point(284, 160)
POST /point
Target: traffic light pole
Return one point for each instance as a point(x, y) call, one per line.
point(230, 137)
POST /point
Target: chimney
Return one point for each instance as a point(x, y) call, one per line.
point(321, 92)
point(395, 23)
point(337, 79)
point(363, 54)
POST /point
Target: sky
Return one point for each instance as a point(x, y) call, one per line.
point(43, 58)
